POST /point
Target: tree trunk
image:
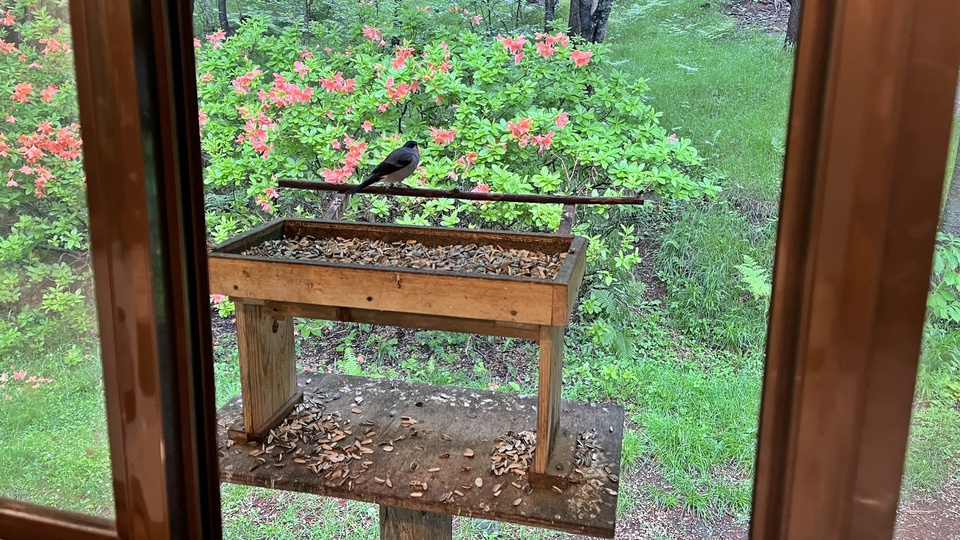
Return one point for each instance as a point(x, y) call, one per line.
point(950, 220)
point(950, 217)
point(574, 20)
point(549, 14)
point(588, 19)
point(222, 9)
point(793, 23)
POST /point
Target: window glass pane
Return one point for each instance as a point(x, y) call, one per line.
point(52, 417)
point(931, 480)
point(684, 100)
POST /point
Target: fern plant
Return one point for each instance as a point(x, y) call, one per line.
point(755, 278)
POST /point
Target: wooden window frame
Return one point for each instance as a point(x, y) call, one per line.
point(137, 90)
point(866, 150)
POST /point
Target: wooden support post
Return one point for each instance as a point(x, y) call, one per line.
point(402, 524)
point(268, 371)
point(567, 218)
point(337, 206)
point(548, 394)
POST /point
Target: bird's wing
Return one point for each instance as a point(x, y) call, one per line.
point(397, 160)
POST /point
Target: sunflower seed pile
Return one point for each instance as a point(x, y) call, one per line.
point(471, 258)
point(513, 453)
point(325, 443)
point(587, 450)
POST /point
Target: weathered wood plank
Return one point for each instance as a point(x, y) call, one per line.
point(493, 298)
point(430, 236)
point(406, 320)
point(567, 218)
point(268, 371)
point(402, 524)
point(268, 231)
point(570, 276)
point(337, 206)
point(471, 419)
point(548, 394)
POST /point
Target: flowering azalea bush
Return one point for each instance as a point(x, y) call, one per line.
point(44, 266)
point(518, 114)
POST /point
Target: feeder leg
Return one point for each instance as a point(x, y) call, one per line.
point(402, 524)
point(548, 395)
point(268, 371)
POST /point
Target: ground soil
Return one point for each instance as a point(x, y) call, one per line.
point(767, 15)
point(933, 516)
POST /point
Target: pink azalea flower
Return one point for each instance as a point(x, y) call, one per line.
point(373, 34)
point(442, 137)
point(21, 91)
point(197, 42)
point(400, 60)
point(241, 84)
point(19, 375)
point(480, 188)
point(543, 141)
point(382, 107)
point(581, 58)
point(10, 119)
point(338, 84)
point(8, 20)
point(272, 193)
point(301, 68)
point(513, 45)
point(217, 37)
point(13, 183)
point(562, 119)
point(476, 19)
point(545, 49)
point(672, 138)
point(518, 57)
point(519, 128)
point(335, 144)
point(468, 159)
point(218, 298)
point(367, 126)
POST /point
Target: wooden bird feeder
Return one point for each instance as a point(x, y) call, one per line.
point(560, 488)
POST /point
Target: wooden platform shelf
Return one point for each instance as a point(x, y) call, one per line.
point(269, 292)
point(579, 499)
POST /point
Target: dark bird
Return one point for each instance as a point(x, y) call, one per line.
point(398, 165)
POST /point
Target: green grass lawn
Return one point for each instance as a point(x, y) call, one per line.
point(55, 442)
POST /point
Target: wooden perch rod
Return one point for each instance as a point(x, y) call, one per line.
point(457, 194)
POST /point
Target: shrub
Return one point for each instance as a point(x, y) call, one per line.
point(519, 114)
point(44, 266)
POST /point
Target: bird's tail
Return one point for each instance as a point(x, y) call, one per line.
point(364, 184)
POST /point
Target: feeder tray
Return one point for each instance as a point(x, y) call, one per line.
point(270, 291)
